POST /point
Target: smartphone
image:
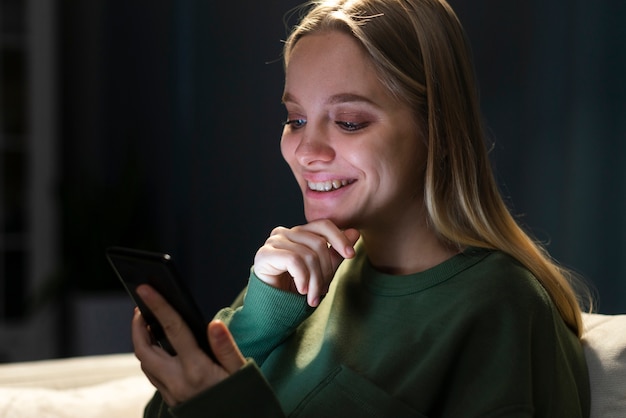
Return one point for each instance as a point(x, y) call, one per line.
point(136, 267)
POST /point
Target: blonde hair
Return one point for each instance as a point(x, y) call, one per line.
point(421, 54)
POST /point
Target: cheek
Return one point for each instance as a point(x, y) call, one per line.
point(405, 164)
point(286, 148)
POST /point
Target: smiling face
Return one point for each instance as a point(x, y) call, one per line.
point(355, 150)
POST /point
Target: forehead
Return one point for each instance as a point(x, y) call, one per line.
point(330, 62)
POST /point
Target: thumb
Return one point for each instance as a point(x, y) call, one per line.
point(224, 347)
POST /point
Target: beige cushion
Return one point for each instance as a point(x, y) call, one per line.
point(604, 342)
point(85, 387)
point(114, 386)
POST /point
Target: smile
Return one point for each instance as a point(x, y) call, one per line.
point(327, 186)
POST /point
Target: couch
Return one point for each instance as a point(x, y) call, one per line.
point(114, 386)
point(86, 387)
point(604, 342)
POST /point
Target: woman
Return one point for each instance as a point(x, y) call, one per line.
point(411, 291)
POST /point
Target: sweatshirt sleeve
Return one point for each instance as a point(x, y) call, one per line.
point(267, 317)
point(244, 394)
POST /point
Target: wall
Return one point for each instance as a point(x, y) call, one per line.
point(172, 114)
point(554, 96)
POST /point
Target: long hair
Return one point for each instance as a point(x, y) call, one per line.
point(421, 54)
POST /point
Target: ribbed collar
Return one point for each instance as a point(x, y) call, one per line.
point(399, 285)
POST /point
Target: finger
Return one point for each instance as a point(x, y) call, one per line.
point(175, 329)
point(309, 253)
point(224, 347)
point(313, 248)
point(336, 258)
point(140, 336)
point(310, 256)
point(315, 293)
point(333, 235)
point(311, 270)
point(150, 356)
point(352, 236)
point(274, 265)
point(292, 254)
point(157, 383)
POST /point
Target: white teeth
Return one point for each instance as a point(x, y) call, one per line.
point(327, 186)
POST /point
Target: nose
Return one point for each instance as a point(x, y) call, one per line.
point(314, 147)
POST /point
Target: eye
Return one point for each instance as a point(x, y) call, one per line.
point(295, 123)
point(351, 126)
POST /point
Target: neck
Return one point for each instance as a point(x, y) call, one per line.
point(406, 249)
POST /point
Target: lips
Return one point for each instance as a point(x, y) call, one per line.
point(328, 186)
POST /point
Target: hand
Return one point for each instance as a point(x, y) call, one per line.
point(304, 259)
point(179, 378)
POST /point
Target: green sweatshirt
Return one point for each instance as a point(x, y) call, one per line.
point(476, 336)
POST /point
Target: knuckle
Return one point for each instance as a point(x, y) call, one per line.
point(294, 259)
point(275, 242)
point(278, 230)
point(272, 241)
point(260, 253)
point(172, 327)
point(321, 244)
point(309, 257)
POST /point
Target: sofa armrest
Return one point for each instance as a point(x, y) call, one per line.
point(604, 342)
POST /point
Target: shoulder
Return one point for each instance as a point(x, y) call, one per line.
point(499, 274)
point(498, 299)
point(498, 283)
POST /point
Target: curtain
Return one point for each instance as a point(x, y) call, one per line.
point(553, 92)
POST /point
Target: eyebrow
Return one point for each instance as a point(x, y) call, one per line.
point(335, 99)
point(347, 98)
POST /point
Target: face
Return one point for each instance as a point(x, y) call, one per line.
point(355, 151)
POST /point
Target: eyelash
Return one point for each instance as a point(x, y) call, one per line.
point(351, 126)
point(347, 126)
point(295, 123)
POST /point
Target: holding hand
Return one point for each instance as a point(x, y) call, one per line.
point(304, 259)
point(181, 377)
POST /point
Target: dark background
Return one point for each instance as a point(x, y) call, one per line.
point(171, 120)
